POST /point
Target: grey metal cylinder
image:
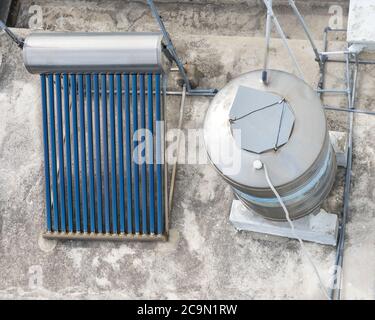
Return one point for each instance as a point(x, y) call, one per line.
point(283, 125)
point(80, 52)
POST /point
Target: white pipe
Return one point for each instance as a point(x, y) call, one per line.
point(174, 170)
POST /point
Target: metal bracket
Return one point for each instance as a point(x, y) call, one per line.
point(173, 53)
point(272, 18)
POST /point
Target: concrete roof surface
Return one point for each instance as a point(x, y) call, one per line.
point(205, 257)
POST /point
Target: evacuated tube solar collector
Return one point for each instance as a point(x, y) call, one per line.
point(282, 124)
point(98, 90)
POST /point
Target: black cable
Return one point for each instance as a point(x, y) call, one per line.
point(19, 41)
point(251, 112)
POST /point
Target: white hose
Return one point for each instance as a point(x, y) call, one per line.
point(305, 252)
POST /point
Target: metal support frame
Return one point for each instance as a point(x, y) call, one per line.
point(341, 242)
point(174, 170)
point(335, 291)
point(318, 57)
point(272, 18)
point(267, 48)
point(173, 53)
point(104, 236)
point(307, 31)
point(322, 58)
point(371, 113)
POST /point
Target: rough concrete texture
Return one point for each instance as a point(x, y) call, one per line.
point(218, 17)
point(361, 24)
point(205, 257)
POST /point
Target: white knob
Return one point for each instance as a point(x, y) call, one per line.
point(257, 164)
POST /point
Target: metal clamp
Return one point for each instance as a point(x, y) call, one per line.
point(173, 53)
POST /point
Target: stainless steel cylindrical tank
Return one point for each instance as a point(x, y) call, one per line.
point(283, 125)
point(87, 52)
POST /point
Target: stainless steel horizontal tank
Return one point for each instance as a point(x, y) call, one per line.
point(283, 125)
point(87, 52)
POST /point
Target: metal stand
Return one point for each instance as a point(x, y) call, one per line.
point(272, 18)
point(360, 42)
point(320, 228)
point(335, 292)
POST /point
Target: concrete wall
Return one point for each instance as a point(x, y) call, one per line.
point(256, 2)
point(4, 9)
point(210, 17)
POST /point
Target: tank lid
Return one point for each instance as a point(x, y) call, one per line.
point(264, 120)
point(303, 135)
